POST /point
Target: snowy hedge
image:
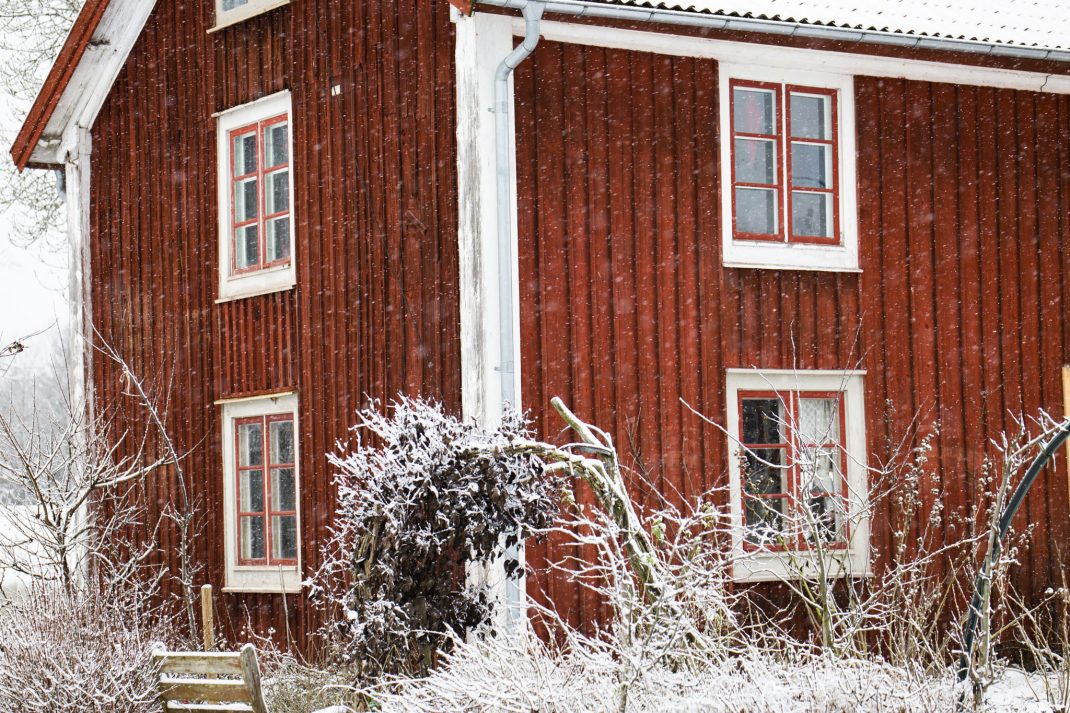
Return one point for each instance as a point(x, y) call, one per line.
point(421, 497)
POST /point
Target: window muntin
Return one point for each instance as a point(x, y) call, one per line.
point(793, 466)
point(267, 488)
point(784, 163)
point(260, 195)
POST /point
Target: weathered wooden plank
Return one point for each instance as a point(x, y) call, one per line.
point(196, 689)
point(213, 662)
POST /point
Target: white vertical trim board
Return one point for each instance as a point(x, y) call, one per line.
point(483, 41)
point(745, 53)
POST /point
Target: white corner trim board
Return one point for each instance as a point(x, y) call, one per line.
point(793, 57)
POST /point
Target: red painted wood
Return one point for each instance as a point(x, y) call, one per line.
point(950, 316)
point(375, 246)
point(957, 315)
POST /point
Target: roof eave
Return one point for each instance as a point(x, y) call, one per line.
point(94, 52)
point(610, 10)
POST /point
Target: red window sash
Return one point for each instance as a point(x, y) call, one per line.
point(834, 178)
point(266, 468)
point(795, 500)
point(783, 140)
point(261, 174)
point(778, 149)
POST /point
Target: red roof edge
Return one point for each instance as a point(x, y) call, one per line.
point(56, 83)
point(464, 6)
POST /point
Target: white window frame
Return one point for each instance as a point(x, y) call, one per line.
point(761, 565)
point(259, 282)
point(225, 18)
point(259, 578)
point(787, 255)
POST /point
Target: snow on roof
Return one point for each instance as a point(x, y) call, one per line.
point(1025, 23)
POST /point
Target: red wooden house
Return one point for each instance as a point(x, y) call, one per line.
point(850, 217)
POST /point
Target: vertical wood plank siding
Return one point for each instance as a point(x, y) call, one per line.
point(958, 315)
point(375, 310)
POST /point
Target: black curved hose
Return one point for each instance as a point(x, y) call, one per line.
point(1009, 512)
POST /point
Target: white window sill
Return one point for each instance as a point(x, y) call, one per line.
point(789, 256)
point(263, 580)
point(265, 282)
point(224, 20)
point(759, 566)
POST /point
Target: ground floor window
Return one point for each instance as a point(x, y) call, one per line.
point(797, 467)
point(261, 486)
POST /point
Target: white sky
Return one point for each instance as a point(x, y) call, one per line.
point(33, 281)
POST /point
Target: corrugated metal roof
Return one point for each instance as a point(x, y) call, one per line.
point(1024, 23)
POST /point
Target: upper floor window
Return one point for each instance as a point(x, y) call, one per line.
point(255, 198)
point(788, 162)
point(260, 493)
point(797, 472)
point(227, 12)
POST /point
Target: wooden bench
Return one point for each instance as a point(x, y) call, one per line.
point(203, 682)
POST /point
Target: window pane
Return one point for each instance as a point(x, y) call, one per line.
point(244, 154)
point(753, 111)
point(247, 245)
point(811, 214)
point(278, 192)
point(251, 497)
point(825, 519)
point(246, 200)
point(811, 117)
point(283, 490)
point(756, 210)
point(819, 469)
point(278, 238)
point(250, 444)
point(811, 165)
point(284, 537)
point(755, 161)
point(282, 442)
point(763, 421)
point(252, 538)
point(765, 520)
point(764, 472)
point(231, 4)
point(819, 420)
point(276, 146)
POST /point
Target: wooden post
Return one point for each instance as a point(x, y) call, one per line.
point(251, 672)
point(1066, 412)
point(207, 618)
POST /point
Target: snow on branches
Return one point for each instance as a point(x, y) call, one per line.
point(420, 498)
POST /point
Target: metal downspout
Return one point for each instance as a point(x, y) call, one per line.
point(506, 308)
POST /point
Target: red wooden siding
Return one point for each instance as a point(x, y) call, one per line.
point(964, 195)
point(958, 313)
point(375, 311)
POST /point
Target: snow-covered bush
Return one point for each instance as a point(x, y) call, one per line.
point(78, 651)
point(500, 676)
point(420, 498)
